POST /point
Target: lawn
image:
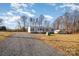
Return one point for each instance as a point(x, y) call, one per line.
point(4, 35)
point(66, 43)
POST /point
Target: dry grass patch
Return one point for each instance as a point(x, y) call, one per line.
point(67, 43)
point(4, 35)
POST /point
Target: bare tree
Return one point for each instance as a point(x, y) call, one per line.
point(32, 21)
point(19, 24)
point(58, 23)
point(23, 20)
point(37, 21)
point(41, 19)
point(69, 21)
point(22, 23)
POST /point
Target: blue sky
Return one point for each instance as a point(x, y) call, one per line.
point(11, 12)
point(39, 8)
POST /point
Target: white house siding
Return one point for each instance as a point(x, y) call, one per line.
point(37, 29)
point(29, 29)
point(56, 31)
point(40, 29)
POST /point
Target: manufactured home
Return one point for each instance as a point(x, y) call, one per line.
point(40, 29)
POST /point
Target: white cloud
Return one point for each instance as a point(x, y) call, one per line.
point(17, 10)
point(65, 6)
point(33, 11)
point(8, 19)
point(21, 5)
point(52, 4)
point(30, 4)
point(48, 17)
point(71, 6)
point(14, 18)
point(18, 5)
point(9, 13)
point(28, 14)
point(22, 12)
point(22, 9)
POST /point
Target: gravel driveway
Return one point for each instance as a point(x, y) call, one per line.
point(22, 44)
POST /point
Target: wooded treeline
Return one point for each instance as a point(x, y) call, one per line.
point(69, 22)
point(25, 22)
